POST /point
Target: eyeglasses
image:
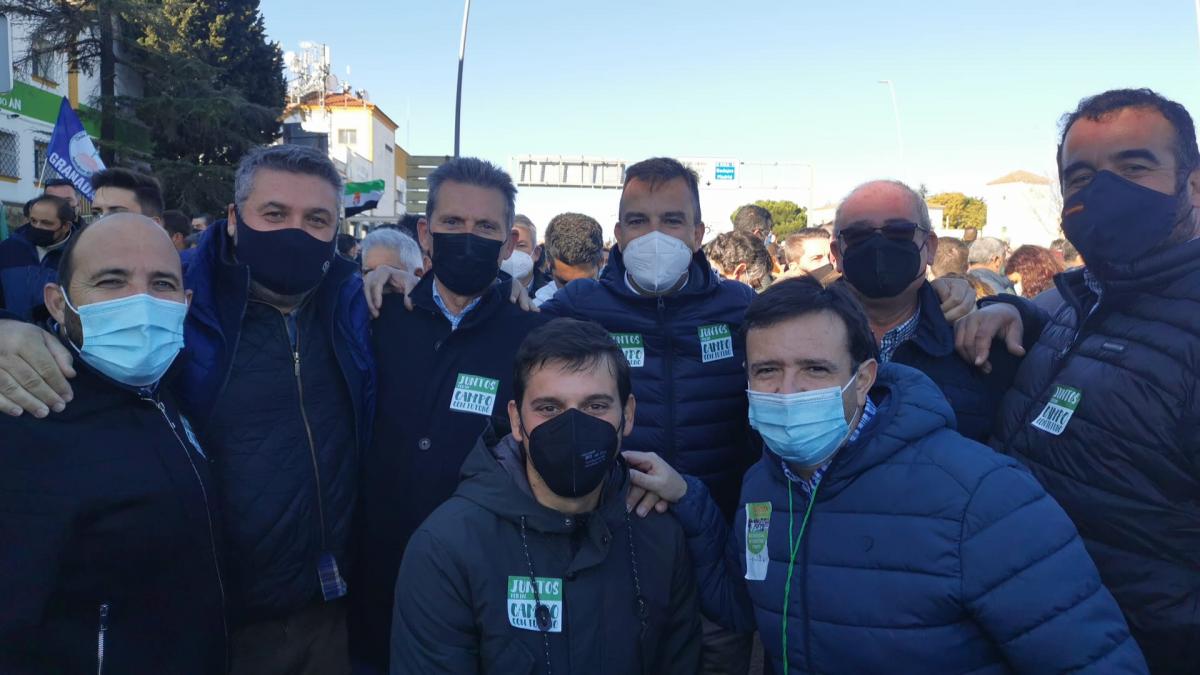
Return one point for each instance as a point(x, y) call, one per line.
point(899, 231)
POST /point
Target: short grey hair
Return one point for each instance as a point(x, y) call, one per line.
point(290, 158)
point(985, 249)
point(404, 246)
point(920, 208)
point(525, 222)
point(477, 172)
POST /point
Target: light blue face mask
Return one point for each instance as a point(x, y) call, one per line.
point(804, 428)
point(133, 339)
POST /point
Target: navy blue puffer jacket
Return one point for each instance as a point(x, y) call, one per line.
point(1126, 465)
point(924, 552)
point(689, 376)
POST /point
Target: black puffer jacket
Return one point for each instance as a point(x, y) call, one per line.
point(464, 597)
point(1126, 465)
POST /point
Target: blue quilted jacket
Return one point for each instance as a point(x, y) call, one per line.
point(924, 553)
point(689, 380)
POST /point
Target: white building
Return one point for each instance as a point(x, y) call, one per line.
point(1023, 208)
point(552, 184)
point(28, 114)
point(362, 143)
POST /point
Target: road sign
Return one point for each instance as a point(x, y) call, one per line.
point(726, 171)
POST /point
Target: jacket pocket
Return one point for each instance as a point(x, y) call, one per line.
point(101, 637)
point(515, 659)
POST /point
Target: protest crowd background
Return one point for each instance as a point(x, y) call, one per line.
point(267, 410)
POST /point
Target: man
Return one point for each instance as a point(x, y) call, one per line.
point(738, 256)
point(445, 372)
point(391, 247)
point(278, 381)
point(1104, 408)
point(527, 243)
point(201, 222)
point(986, 258)
point(1067, 254)
point(574, 249)
point(535, 563)
point(65, 189)
point(951, 258)
point(754, 220)
point(110, 562)
point(119, 190)
point(678, 323)
point(873, 537)
point(177, 224)
point(29, 258)
point(807, 252)
point(883, 244)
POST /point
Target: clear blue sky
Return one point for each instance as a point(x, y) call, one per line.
point(981, 85)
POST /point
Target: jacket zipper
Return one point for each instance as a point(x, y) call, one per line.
point(212, 537)
point(312, 446)
point(669, 368)
point(100, 635)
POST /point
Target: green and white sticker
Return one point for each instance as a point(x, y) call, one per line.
point(716, 342)
point(758, 525)
point(474, 394)
point(522, 606)
point(1058, 411)
point(633, 346)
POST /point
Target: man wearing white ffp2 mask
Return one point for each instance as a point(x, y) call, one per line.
point(679, 325)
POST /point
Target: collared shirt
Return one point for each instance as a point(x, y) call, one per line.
point(898, 336)
point(454, 319)
point(810, 484)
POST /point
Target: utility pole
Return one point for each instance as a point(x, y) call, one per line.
point(462, 52)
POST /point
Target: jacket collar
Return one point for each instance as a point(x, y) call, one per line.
point(935, 335)
point(490, 302)
point(702, 280)
point(1152, 273)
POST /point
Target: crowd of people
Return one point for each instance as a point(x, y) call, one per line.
point(256, 445)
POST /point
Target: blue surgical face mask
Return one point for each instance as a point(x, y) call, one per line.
point(805, 428)
point(132, 340)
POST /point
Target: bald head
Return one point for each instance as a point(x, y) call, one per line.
point(115, 257)
point(881, 201)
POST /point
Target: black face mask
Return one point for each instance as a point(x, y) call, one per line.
point(882, 268)
point(465, 263)
point(573, 452)
point(287, 262)
point(43, 238)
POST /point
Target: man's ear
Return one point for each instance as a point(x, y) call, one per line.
point(701, 229)
point(865, 380)
point(1194, 183)
point(510, 244)
point(739, 271)
point(619, 235)
point(514, 422)
point(231, 220)
point(424, 238)
point(835, 256)
point(52, 297)
point(630, 409)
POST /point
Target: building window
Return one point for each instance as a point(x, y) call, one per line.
point(40, 149)
point(347, 136)
point(10, 155)
point(44, 64)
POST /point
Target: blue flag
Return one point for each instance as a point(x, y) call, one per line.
point(71, 152)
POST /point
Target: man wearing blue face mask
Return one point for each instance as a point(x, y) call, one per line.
point(111, 531)
point(277, 379)
point(1104, 409)
point(872, 537)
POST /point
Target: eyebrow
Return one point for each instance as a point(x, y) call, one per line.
point(169, 276)
point(113, 271)
point(1138, 153)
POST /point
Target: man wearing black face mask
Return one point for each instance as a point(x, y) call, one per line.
point(445, 372)
point(534, 565)
point(29, 258)
point(1104, 409)
point(883, 243)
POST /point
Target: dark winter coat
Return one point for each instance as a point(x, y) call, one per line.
point(1126, 465)
point(924, 552)
point(464, 601)
point(23, 276)
point(110, 536)
point(689, 382)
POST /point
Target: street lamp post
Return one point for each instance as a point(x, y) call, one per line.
point(899, 132)
point(462, 52)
